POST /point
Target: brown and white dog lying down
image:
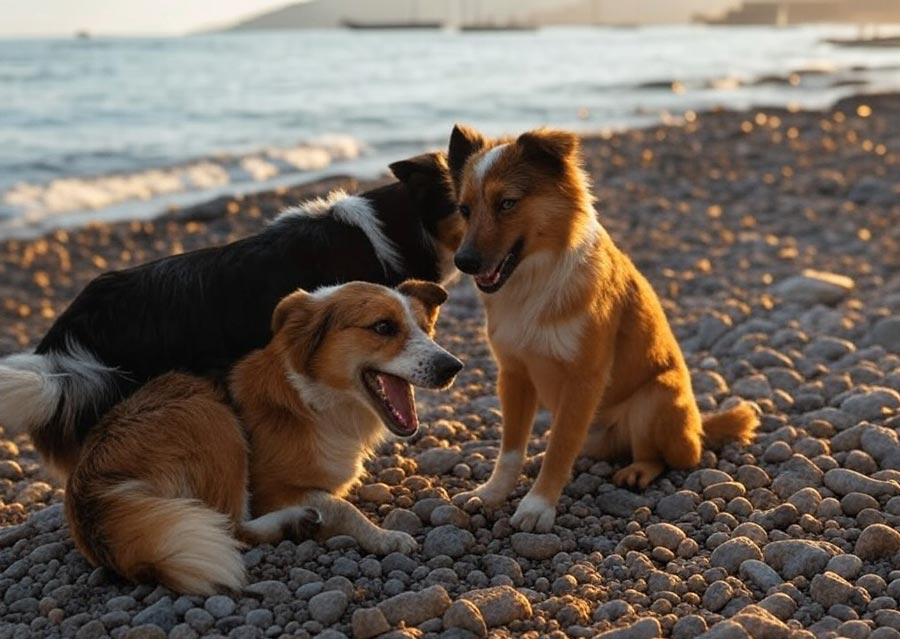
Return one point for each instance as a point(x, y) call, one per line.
point(573, 325)
point(167, 482)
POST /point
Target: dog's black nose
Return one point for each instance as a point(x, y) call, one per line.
point(446, 368)
point(468, 261)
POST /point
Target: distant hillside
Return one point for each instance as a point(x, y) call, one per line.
point(323, 14)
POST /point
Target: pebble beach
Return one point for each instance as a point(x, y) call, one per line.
point(772, 237)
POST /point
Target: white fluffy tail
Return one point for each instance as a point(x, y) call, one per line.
point(29, 392)
point(33, 386)
point(181, 543)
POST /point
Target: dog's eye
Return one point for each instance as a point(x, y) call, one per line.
point(507, 204)
point(385, 328)
point(465, 211)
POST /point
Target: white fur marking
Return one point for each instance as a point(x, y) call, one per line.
point(543, 282)
point(198, 552)
point(414, 362)
point(506, 471)
point(195, 554)
point(534, 514)
point(352, 210)
point(31, 386)
point(28, 393)
point(486, 161)
point(512, 457)
point(346, 428)
point(272, 523)
point(325, 291)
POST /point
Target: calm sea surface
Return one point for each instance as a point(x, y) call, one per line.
point(105, 128)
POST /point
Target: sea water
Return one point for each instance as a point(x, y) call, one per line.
point(107, 128)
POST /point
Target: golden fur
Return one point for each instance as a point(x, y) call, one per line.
point(160, 492)
point(575, 327)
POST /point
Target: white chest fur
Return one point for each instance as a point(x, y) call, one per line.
point(525, 315)
point(517, 329)
point(346, 432)
point(345, 438)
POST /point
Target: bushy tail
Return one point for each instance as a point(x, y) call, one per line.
point(737, 424)
point(46, 395)
point(180, 543)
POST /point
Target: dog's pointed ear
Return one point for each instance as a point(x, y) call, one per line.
point(427, 164)
point(304, 322)
point(549, 145)
point(427, 181)
point(464, 142)
point(298, 305)
point(429, 295)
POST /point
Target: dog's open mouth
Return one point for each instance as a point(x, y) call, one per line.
point(492, 281)
point(395, 401)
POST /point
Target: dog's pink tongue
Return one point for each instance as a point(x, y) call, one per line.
point(400, 395)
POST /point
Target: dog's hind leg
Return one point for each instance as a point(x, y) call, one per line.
point(664, 427)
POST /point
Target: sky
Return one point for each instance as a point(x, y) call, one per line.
point(64, 17)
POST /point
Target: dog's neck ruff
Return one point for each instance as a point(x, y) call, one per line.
point(551, 278)
point(353, 210)
point(338, 413)
point(530, 313)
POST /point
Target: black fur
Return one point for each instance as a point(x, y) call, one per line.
point(199, 312)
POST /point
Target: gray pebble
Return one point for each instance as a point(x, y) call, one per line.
point(328, 607)
point(219, 606)
point(447, 540)
point(717, 595)
point(161, 614)
point(731, 554)
point(536, 546)
point(199, 619)
point(438, 461)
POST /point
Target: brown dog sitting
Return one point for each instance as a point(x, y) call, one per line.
point(573, 325)
point(160, 492)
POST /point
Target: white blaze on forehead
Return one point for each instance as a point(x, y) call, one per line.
point(413, 363)
point(486, 161)
point(414, 328)
point(325, 291)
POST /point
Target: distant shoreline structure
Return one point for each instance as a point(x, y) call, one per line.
point(486, 27)
point(790, 12)
point(886, 42)
point(359, 25)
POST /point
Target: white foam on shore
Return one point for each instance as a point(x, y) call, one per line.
point(34, 203)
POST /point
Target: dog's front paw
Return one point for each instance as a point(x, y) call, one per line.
point(304, 523)
point(387, 541)
point(534, 514)
point(486, 495)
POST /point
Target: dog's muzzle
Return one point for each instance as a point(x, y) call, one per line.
point(444, 368)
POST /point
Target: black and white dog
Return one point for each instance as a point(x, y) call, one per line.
point(201, 311)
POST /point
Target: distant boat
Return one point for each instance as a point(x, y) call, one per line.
point(427, 24)
point(83, 35)
point(490, 26)
point(890, 41)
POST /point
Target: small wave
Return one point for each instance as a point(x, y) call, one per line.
point(36, 202)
